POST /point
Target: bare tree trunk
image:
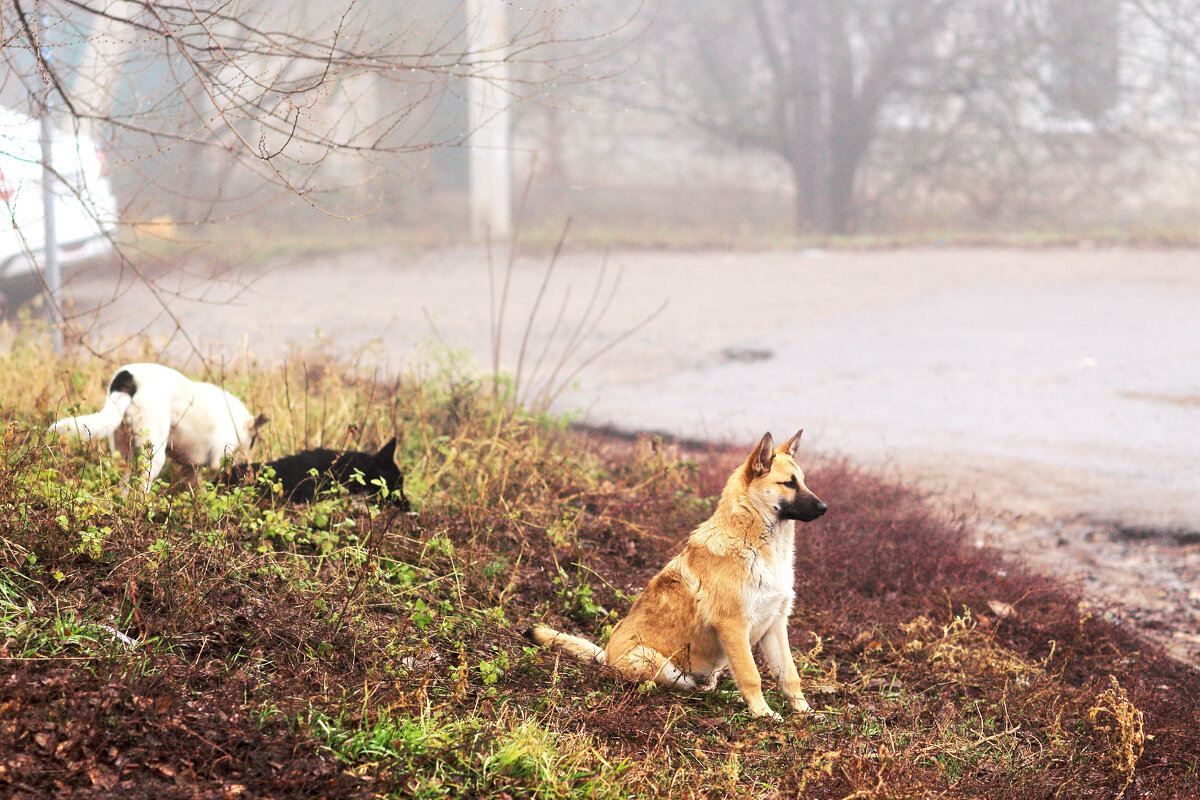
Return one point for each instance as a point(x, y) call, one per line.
point(841, 210)
point(849, 132)
point(808, 124)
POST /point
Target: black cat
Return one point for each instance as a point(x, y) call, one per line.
point(294, 474)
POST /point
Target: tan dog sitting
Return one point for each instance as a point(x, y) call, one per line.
point(730, 589)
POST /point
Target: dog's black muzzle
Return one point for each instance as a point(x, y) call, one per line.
point(804, 508)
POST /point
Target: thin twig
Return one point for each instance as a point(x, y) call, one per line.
point(537, 302)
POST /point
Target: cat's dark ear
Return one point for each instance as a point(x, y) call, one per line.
point(387, 453)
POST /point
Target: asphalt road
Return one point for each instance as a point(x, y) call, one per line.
point(1055, 381)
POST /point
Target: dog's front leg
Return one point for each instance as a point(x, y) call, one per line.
point(777, 651)
point(158, 459)
point(735, 641)
point(148, 437)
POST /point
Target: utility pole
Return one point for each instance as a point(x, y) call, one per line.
point(488, 120)
point(50, 270)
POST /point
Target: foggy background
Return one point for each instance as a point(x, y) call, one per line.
point(752, 120)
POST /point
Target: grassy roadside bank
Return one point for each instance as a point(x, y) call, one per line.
point(200, 644)
point(223, 246)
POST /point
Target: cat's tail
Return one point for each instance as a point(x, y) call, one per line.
point(574, 646)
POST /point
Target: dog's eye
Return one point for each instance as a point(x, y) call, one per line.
point(791, 483)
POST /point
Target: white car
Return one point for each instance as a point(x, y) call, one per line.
point(85, 209)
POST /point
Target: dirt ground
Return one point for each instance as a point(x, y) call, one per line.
point(1058, 390)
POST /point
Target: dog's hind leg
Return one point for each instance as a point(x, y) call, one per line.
point(710, 682)
point(642, 663)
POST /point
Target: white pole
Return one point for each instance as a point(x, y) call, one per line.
point(50, 271)
point(98, 77)
point(488, 120)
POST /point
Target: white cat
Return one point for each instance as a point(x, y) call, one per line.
point(155, 407)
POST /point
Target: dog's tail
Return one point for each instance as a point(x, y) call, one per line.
point(107, 419)
point(573, 646)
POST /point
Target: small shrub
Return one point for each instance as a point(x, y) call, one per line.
point(1119, 729)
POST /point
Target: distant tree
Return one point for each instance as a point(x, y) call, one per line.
point(1002, 106)
point(805, 81)
point(1084, 42)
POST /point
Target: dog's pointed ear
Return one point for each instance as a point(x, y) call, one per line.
point(761, 458)
point(260, 421)
point(792, 446)
point(387, 453)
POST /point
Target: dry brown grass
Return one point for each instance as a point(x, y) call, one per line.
point(1119, 727)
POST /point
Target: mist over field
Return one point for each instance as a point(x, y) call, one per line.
point(673, 121)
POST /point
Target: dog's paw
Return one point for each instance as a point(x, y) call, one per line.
point(766, 712)
point(800, 705)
